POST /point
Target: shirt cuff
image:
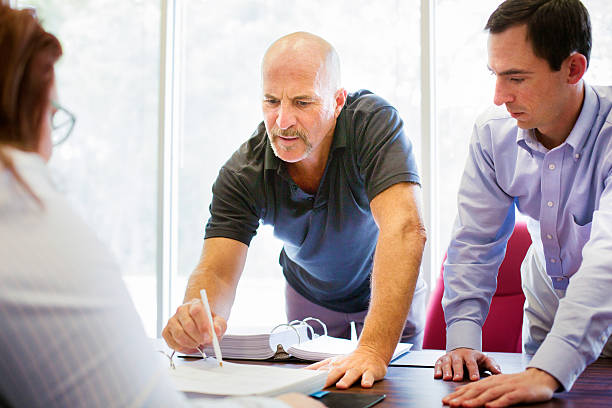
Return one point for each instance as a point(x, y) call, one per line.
point(560, 360)
point(464, 333)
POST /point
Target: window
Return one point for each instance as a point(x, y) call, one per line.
point(223, 44)
point(110, 77)
point(465, 88)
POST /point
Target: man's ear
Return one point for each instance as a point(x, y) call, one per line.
point(340, 97)
point(577, 65)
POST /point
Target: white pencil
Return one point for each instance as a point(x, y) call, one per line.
point(215, 341)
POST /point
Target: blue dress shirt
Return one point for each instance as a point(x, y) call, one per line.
point(566, 194)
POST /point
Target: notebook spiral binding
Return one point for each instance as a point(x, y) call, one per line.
point(281, 353)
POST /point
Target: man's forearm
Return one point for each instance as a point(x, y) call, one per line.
point(218, 271)
point(396, 268)
point(220, 294)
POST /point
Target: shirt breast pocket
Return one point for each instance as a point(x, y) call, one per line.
point(581, 231)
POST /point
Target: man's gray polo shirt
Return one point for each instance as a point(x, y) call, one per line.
point(329, 237)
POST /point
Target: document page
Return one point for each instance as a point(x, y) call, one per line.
point(207, 377)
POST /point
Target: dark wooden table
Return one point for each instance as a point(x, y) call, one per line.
point(415, 386)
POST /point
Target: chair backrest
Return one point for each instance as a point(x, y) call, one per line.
point(503, 328)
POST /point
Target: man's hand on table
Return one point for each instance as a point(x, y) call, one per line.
point(529, 386)
point(364, 363)
point(451, 365)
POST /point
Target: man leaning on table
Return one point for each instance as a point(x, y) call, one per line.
point(549, 154)
point(335, 175)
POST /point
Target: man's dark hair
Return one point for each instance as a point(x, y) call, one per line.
point(555, 28)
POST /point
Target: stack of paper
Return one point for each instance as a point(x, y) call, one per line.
point(257, 343)
point(324, 347)
point(207, 377)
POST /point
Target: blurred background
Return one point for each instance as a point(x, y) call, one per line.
point(165, 90)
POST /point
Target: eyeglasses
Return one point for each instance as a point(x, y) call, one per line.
point(62, 123)
point(171, 356)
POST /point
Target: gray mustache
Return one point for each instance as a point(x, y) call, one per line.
point(289, 133)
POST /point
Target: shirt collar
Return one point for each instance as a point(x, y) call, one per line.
point(526, 139)
point(271, 162)
point(582, 129)
point(340, 131)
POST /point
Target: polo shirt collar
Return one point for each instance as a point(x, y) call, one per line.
point(340, 131)
point(271, 162)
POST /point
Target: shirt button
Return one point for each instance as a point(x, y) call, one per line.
point(551, 166)
point(553, 260)
point(550, 203)
point(559, 279)
point(577, 155)
point(548, 236)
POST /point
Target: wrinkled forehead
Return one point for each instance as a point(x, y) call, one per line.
point(290, 70)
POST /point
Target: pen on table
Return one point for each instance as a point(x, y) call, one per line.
point(215, 341)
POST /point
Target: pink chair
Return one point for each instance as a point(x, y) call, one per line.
point(503, 327)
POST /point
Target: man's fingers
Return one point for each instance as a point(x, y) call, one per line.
point(457, 365)
point(459, 391)
point(506, 400)
point(333, 376)
point(367, 379)
point(503, 390)
point(198, 315)
point(463, 394)
point(446, 367)
point(220, 326)
point(177, 333)
point(320, 364)
point(174, 345)
point(491, 365)
point(169, 339)
point(438, 369)
point(350, 377)
point(189, 328)
point(472, 368)
point(344, 371)
point(479, 397)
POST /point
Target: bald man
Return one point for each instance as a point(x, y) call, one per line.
point(335, 175)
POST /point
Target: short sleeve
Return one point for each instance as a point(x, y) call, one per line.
point(385, 153)
point(234, 212)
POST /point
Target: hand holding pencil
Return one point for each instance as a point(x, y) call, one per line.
point(190, 328)
point(215, 340)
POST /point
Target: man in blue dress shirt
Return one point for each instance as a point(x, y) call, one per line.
point(549, 155)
